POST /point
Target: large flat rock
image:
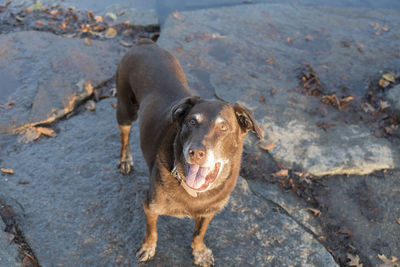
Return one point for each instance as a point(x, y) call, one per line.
point(254, 54)
point(79, 210)
point(46, 75)
point(8, 250)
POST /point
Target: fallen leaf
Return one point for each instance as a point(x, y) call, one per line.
point(69, 35)
point(88, 87)
point(125, 43)
point(288, 40)
point(98, 19)
point(177, 15)
point(398, 220)
point(282, 173)
point(19, 19)
point(265, 145)
point(366, 107)
point(90, 105)
point(127, 32)
point(389, 77)
point(347, 99)
point(62, 26)
point(39, 23)
point(325, 126)
point(394, 262)
point(309, 38)
point(383, 83)
point(111, 33)
point(111, 16)
point(54, 12)
point(8, 171)
point(29, 261)
point(271, 60)
point(354, 260)
point(46, 131)
point(29, 135)
point(384, 104)
point(262, 99)
point(316, 212)
point(385, 28)
point(88, 41)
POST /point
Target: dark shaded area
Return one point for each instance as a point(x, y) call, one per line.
point(25, 252)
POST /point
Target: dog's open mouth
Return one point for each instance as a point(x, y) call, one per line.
point(199, 178)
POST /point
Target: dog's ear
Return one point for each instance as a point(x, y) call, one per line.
point(246, 120)
point(180, 109)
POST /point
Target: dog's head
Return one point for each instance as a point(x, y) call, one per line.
point(211, 135)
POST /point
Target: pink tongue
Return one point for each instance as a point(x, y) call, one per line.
point(196, 176)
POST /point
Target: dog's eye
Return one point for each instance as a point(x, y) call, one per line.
point(192, 122)
point(223, 127)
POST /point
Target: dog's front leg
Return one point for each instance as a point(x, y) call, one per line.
point(201, 253)
point(148, 248)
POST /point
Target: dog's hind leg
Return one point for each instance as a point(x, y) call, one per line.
point(201, 253)
point(127, 109)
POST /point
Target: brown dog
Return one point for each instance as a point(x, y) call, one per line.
point(192, 146)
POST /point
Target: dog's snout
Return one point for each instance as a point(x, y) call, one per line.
point(197, 155)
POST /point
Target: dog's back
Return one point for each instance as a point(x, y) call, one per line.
point(149, 81)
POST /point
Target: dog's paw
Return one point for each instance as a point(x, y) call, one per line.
point(203, 257)
point(126, 166)
point(146, 253)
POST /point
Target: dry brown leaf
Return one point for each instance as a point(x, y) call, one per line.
point(88, 41)
point(29, 261)
point(347, 99)
point(288, 40)
point(282, 173)
point(111, 33)
point(98, 19)
point(354, 260)
point(177, 15)
point(46, 131)
point(62, 26)
point(394, 262)
point(8, 171)
point(316, 212)
point(398, 220)
point(383, 83)
point(385, 28)
point(125, 43)
point(271, 60)
point(309, 37)
point(39, 23)
point(384, 104)
point(265, 145)
point(54, 12)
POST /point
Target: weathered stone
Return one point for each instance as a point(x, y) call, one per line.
point(8, 250)
point(84, 212)
point(369, 206)
point(49, 75)
point(127, 14)
point(393, 95)
point(254, 54)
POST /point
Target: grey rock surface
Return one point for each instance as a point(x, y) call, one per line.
point(254, 54)
point(48, 75)
point(369, 206)
point(79, 210)
point(127, 14)
point(8, 250)
point(393, 95)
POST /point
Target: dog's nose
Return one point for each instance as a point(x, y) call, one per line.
point(197, 155)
